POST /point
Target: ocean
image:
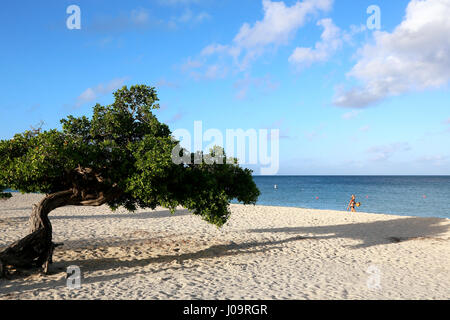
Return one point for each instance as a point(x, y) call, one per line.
point(423, 196)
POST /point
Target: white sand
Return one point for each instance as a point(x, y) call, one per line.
point(262, 253)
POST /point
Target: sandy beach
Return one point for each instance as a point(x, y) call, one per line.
point(261, 253)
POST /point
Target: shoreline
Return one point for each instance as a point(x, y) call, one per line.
point(263, 252)
point(348, 212)
point(303, 208)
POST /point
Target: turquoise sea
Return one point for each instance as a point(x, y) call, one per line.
point(423, 196)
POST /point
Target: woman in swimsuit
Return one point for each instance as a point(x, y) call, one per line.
point(352, 204)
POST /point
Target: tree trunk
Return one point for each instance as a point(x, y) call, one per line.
point(36, 249)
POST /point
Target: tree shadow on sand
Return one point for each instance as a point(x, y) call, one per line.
point(103, 264)
point(14, 291)
point(369, 234)
point(127, 215)
point(17, 209)
point(375, 233)
point(10, 221)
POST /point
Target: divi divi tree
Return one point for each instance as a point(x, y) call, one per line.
point(122, 157)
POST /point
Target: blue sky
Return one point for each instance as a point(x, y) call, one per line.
point(347, 99)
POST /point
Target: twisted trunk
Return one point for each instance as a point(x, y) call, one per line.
point(36, 249)
point(39, 216)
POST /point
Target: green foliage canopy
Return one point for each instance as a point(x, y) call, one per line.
point(122, 155)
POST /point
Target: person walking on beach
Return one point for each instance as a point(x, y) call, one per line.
point(352, 204)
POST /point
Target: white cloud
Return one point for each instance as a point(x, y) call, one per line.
point(169, 84)
point(202, 16)
point(447, 125)
point(413, 57)
point(284, 132)
point(214, 48)
point(176, 117)
point(189, 17)
point(136, 19)
point(364, 128)
point(93, 93)
point(213, 72)
point(143, 19)
point(264, 84)
point(385, 152)
point(177, 2)
point(191, 64)
point(350, 115)
point(312, 135)
point(105, 41)
point(316, 133)
point(436, 160)
point(87, 95)
point(139, 16)
point(278, 26)
point(279, 23)
point(199, 71)
point(331, 41)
